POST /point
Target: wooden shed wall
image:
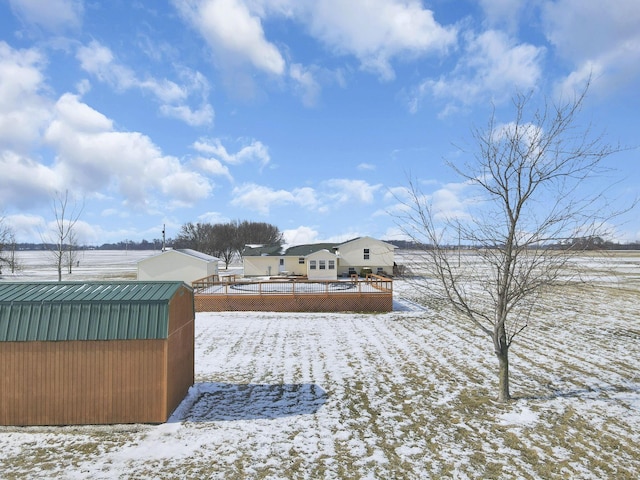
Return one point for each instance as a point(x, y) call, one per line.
point(82, 382)
point(180, 348)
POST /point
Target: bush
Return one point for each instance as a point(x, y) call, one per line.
point(365, 271)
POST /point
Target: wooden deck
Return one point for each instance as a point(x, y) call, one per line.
point(371, 294)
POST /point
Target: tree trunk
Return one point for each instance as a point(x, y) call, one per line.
point(503, 372)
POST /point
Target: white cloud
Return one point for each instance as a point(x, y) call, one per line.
point(333, 193)
point(377, 31)
point(503, 12)
point(185, 187)
point(213, 217)
point(601, 40)
point(25, 182)
point(254, 152)
point(98, 157)
point(493, 66)
point(306, 85)
point(53, 15)
point(366, 166)
point(212, 166)
point(202, 116)
point(26, 226)
point(300, 236)
point(23, 110)
point(98, 60)
point(261, 199)
point(340, 190)
point(450, 202)
point(233, 32)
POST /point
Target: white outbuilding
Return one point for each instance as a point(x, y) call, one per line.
point(180, 264)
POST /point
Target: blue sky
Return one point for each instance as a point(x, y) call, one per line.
point(309, 115)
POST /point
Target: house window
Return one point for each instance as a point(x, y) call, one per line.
point(300, 260)
point(312, 264)
point(323, 264)
point(332, 264)
point(366, 254)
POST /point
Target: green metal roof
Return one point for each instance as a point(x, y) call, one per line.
point(261, 251)
point(85, 310)
point(304, 250)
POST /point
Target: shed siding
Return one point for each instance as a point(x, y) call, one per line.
point(173, 265)
point(82, 382)
point(180, 348)
point(69, 361)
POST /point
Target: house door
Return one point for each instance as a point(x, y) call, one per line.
point(281, 266)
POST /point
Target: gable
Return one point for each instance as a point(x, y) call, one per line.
point(321, 255)
point(366, 242)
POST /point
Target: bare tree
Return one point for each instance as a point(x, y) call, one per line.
point(72, 251)
point(225, 239)
point(66, 217)
point(197, 236)
point(257, 233)
point(6, 235)
point(529, 195)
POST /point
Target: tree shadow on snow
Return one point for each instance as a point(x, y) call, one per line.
point(607, 392)
point(211, 402)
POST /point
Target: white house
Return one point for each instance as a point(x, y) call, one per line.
point(183, 264)
point(322, 265)
point(321, 260)
point(364, 253)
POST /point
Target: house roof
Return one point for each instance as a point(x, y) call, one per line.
point(66, 311)
point(199, 255)
point(182, 251)
point(303, 250)
point(370, 238)
point(297, 250)
point(261, 250)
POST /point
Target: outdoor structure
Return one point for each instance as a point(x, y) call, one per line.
point(370, 294)
point(357, 256)
point(184, 264)
point(94, 352)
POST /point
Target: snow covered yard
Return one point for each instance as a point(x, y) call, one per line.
point(406, 394)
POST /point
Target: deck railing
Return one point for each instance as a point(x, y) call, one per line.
point(234, 285)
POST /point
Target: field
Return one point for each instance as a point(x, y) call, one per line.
point(401, 395)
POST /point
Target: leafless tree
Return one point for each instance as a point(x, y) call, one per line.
point(6, 236)
point(530, 194)
point(66, 216)
point(197, 236)
point(225, 239)
point(71, 256)
point(257, 233)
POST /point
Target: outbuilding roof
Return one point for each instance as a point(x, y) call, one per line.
point(194, 253)
point(64, 311)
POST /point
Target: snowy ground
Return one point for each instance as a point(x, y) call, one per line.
point(406, 394)
point(36, 266)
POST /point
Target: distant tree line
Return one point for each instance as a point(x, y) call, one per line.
point(578, 243)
